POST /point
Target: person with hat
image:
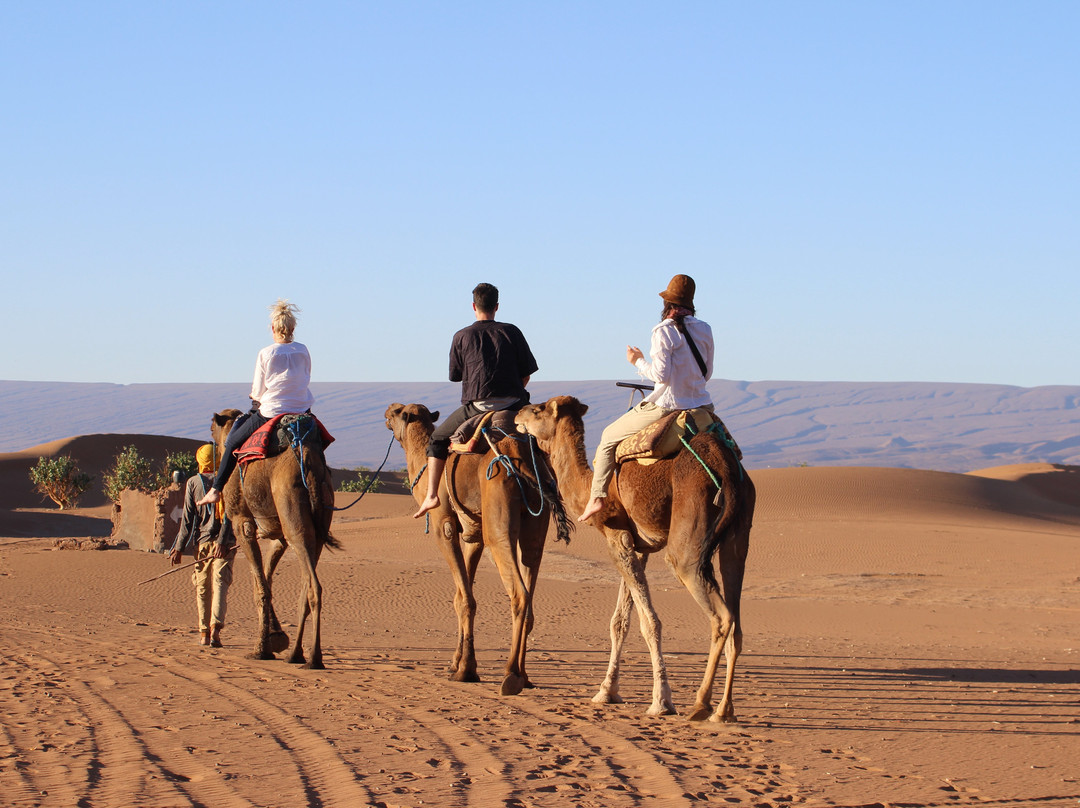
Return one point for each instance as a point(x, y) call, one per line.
point(206, 534)
point(679, 365)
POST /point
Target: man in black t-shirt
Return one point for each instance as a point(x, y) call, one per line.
point(493, 362)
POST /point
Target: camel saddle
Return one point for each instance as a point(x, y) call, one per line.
point(468, 437)
point(281, 432)
point(662, 438)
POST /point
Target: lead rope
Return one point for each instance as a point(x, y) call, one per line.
point(411, 486)
point(373, 478)
point(508, 467)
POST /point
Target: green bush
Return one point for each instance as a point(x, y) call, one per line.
point(360, 482)
point(130, 470)
point(59, 479)
point(184, 462)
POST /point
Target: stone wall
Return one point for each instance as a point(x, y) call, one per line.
point(149, 521)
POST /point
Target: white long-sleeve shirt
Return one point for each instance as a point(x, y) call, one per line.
point(679, 382)
point(282, 376)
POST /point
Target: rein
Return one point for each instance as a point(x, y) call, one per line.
point(371, 481)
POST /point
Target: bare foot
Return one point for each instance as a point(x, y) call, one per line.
point(429, 504)
point(215, 637)
point(596, 504)
point(204, 637)
point(212, 496)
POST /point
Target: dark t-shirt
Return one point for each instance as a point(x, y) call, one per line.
point(490, 359)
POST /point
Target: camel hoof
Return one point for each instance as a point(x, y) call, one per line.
point(728, 718)
point(315, 665)
point(700, 713)
point(261, 655)
point(528, 684)
point(607, 698)
point(662, 709)
point(512, 685)
point(464, 676)
point(296, 659)
point(278, 641)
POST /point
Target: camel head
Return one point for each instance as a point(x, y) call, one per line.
point(220, 424)
point(541, 420)
point(398, 416)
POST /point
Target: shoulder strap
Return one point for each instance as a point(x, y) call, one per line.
point(694, 350)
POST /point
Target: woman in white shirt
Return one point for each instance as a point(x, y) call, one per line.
point(282, 376)
point(680, 363)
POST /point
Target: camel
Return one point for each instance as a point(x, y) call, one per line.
point(481, 506)
point(667, 505)
point(270, 499)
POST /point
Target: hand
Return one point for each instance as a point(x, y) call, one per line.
point(219, 551)
point(633, 354)
point(175, 557)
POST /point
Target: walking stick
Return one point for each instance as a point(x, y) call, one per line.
point(177, 569)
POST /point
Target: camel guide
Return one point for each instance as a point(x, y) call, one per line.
point(680, 364)
point(207, 535)
point(493, 362)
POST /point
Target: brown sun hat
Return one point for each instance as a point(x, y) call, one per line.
point(680, 291)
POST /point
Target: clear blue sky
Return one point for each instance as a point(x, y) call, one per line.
point(863, 191)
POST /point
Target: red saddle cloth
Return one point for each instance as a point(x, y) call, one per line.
point(263, 442)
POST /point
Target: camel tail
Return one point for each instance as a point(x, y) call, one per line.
point(736, 494)
point(320, 487)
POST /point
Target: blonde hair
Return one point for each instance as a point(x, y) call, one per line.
point(283, 318)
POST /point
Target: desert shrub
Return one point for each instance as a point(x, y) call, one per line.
point(130, 470)
point(59, 479)
point(183, 462)
point(360, 482)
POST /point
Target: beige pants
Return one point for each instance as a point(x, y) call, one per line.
point(211, 577)
point(627, 424)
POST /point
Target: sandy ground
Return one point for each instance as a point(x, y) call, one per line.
point(911, 640)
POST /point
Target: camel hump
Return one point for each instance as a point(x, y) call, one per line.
point(468, 439)
point(282, 432)
point(663, 438)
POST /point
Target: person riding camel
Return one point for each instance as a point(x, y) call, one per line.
point(493, 362)
point(680, 364)
point(282, 376)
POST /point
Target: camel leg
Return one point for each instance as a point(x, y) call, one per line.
point(304, 609)
point(682, 557)
point(620, 624)
point(462, 558)
point(293, 511)
point(278, 639)
point(501, 523)
point(632, 567)
point(261, 592)
point(732, 569)
point(534, 534)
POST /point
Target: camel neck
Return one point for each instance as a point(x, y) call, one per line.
point(571, 465)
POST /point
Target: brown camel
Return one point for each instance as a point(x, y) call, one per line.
point(270, 499)
point(667, 505)
point(481, 506)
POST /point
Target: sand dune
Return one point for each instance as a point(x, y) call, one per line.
point(911, 639)
point(947, 427)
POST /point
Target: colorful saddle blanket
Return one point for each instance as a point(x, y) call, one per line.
point(279, 433)
point(662, 438)
point(469, 438)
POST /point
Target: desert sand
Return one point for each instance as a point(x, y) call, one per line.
point(911, 638)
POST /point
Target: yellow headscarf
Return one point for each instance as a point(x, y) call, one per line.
point(205, 458)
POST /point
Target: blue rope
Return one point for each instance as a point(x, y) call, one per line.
point(508, 467)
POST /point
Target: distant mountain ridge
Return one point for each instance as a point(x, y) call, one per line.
point(936, 426)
